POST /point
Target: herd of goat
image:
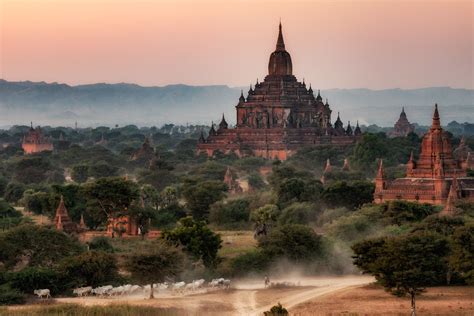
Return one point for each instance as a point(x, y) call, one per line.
point(129, 289)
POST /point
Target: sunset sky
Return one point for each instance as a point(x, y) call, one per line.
point(333, 44)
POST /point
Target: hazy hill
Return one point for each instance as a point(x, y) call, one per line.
point(109, 104)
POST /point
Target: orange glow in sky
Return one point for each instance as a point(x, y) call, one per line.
point(333, 44)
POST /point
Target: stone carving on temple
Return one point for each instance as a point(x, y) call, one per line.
point(278, 116)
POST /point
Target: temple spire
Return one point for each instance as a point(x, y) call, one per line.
point(436, 121)
point(280, 43)
point(380, 173)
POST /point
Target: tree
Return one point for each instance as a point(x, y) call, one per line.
point(299, 213)
point(263, 218)
point(350, 195)
point(90, 268)
point(112, 196)
point(231, 213)
point(405, 264)
point(37, 278)
point(35, 246)
point(197, 240)
point(160, 261)
point(101, 243)
point(462, 257)
point(401, 212)
point(80, 173)
point(200, 195)
point(297, 243)
point(14, 192)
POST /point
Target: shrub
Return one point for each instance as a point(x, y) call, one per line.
point(277, 310)
point(349, 195)
point(230, 212)
point(36, 246)
point(298, 213)
point(30, 279)
point(197, 240)
point(400, 212)
point(101, 243)
point(255, 260)
point(10, 296)
point(297, 243)
point(91, 268)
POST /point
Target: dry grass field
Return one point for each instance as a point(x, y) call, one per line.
point(373, 300)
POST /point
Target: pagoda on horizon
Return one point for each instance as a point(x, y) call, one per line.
point(279, 116)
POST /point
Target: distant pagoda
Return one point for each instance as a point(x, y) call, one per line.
point(402, 127)
point(278, 116)
point(34, 141)
point(62, 220)
point(432, 176)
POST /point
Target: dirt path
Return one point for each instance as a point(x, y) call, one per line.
point(249, 297)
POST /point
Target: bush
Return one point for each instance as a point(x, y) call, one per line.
point(158, 262)
point(329, 215)
point(297, 243)
point(255, 260)
point(197, 240)
point(101, 243)
point(36, 246)
point(30, 279)
point(298, 213)
point(277, 310)
point(91, 268)
point(230, 213)
point(9, 296)
point(349, 195)
point(400, 212)
point(255, 181)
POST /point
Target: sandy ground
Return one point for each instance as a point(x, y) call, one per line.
point(347, 295)
point(247, 297)
point(373, 300)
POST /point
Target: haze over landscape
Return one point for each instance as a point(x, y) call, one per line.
point(337, 46)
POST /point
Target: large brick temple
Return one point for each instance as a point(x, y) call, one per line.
point(35, 141)
point(436, 176)
point(279, 116)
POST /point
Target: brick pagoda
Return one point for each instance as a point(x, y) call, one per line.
point(430, 179)
point(402, 127)
point(278, 116)
point(34, 141)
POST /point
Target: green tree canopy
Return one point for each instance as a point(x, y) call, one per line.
point(197, 240)
point(160, 261)
point(31, 245)
point(405, 264)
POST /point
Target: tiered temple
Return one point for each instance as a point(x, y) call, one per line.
point(278, 116)
point(432, 176)
point(34, 141)
point(402, 127)
point(62, 220)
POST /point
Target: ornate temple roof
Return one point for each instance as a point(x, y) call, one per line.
point(436, 158)
point(280, 60)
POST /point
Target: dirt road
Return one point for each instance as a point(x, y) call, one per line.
point(248, 297)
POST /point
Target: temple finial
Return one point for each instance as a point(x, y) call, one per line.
point(436, 121)
point(280, 42)
point(380, 171)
